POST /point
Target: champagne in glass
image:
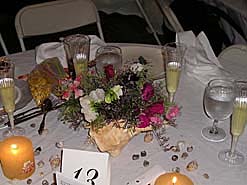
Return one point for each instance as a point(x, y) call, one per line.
point(173, 54)
point(218, 104)
point(238, 122)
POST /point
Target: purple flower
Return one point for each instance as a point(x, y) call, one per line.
point(147, 91)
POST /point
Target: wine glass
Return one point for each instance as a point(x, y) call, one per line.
point(218, 104)
point(173, 54)
point(7, 95)
point(238, 122)
point(108, 55)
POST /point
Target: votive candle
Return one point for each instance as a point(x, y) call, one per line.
point(17, 157)
point(173, 178)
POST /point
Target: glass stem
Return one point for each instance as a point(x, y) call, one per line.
point(214, 129)
point(233, 145)
point(171, 97)
point(11, 120)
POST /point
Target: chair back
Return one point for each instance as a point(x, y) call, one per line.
point(55, 16)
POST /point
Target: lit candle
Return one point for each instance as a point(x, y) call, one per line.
point(173, 179)
point(17, 157)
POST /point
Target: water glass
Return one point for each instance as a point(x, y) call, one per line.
point(108, 55)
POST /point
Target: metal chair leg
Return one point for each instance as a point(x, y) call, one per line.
point(3, 45)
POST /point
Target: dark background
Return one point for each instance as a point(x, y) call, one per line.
point(192, 14)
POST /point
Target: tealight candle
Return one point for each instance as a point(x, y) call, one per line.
point(17, 157)
point(173, 179)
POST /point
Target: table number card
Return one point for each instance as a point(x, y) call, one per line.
point(63, 180)
point(88, 168)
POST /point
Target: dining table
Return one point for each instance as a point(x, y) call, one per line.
point(125, 170)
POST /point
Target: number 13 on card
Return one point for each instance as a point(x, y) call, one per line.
point(89, 168)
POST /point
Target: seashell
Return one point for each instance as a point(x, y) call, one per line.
point(193, 165)
point(189, 148)
point(55, 161)
point(176, 169)
point(206, 176)
point(167, 148)
point(143, 153)
point(175, 149)
point(174, 157)
point(33, 125)
point(45, 132)
point(148, 137)
point(59, 144)
point(41, 174)
point(45, 182)
point(181, 145)
point(135, 156)
point(41, 164)
point(29, 181)
point(145, 163)
point(37, 151)
point(184, 155)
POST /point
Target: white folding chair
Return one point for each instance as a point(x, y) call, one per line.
point(55, 16)
point(3, 45)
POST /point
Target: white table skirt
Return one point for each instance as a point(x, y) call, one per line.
point(124, 169)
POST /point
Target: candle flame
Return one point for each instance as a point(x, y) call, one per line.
point(174, 180)
point(14, 148)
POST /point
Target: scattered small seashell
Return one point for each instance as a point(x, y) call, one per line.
point(175, 149)
point(143, 153)
point(193, 165)
point(148, 137)
point(166, 148)
point(145, 163)
point(41, 164)
point(176, 169)
point(33, 125)
point(184, 155)
point(37, 151)
point(45, 132)
point(41, 174)
point(29, 181)
point(45, 182)
point(135, 156)
point(206, 176)
point(55, 161)
point(189, 148)
point(60, 144)
point(174, 157)
point(181, 145)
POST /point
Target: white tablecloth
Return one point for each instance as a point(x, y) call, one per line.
point(124, 169)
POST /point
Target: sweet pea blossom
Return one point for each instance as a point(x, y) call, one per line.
point(86, 109)
point(136, 67)
point(147, 91)
point(73, 87)
point(97, 95)
point(172, 113)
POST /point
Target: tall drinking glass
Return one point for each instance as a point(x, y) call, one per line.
point(7, 95)
point(108, 55)
point(238, 122)
point(218, 104)
point(173, 54)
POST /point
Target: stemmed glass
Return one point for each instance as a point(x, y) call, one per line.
point(7, 95)
point(173, 54)
point(238, 122)
point(218, 104)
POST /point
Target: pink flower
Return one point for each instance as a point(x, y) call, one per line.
point(156, 108)
point(172, 113)
point(109, 71)
point(66, 95)
point(144, 121)
point(156, 120)
point(147, 91)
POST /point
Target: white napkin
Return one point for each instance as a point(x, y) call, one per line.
point(200, 60)
point(56, 49)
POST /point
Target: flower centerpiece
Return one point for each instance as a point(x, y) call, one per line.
point(115, 106)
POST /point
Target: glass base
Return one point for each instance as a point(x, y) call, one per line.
point(17, 131)
point(214, 137)
point(236, 159)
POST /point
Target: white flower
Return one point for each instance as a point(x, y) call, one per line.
point(97, 95)
point(136, 67)
point(86, 109)
point(117, 89)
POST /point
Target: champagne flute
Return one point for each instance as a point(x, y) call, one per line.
point(173, 54)
point(7, 95)
point(218, 104)
point(238, 122)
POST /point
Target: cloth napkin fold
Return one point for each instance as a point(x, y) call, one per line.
point(56, 49)
point(200, 60)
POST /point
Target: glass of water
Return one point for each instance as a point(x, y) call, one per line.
point(218, 104)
